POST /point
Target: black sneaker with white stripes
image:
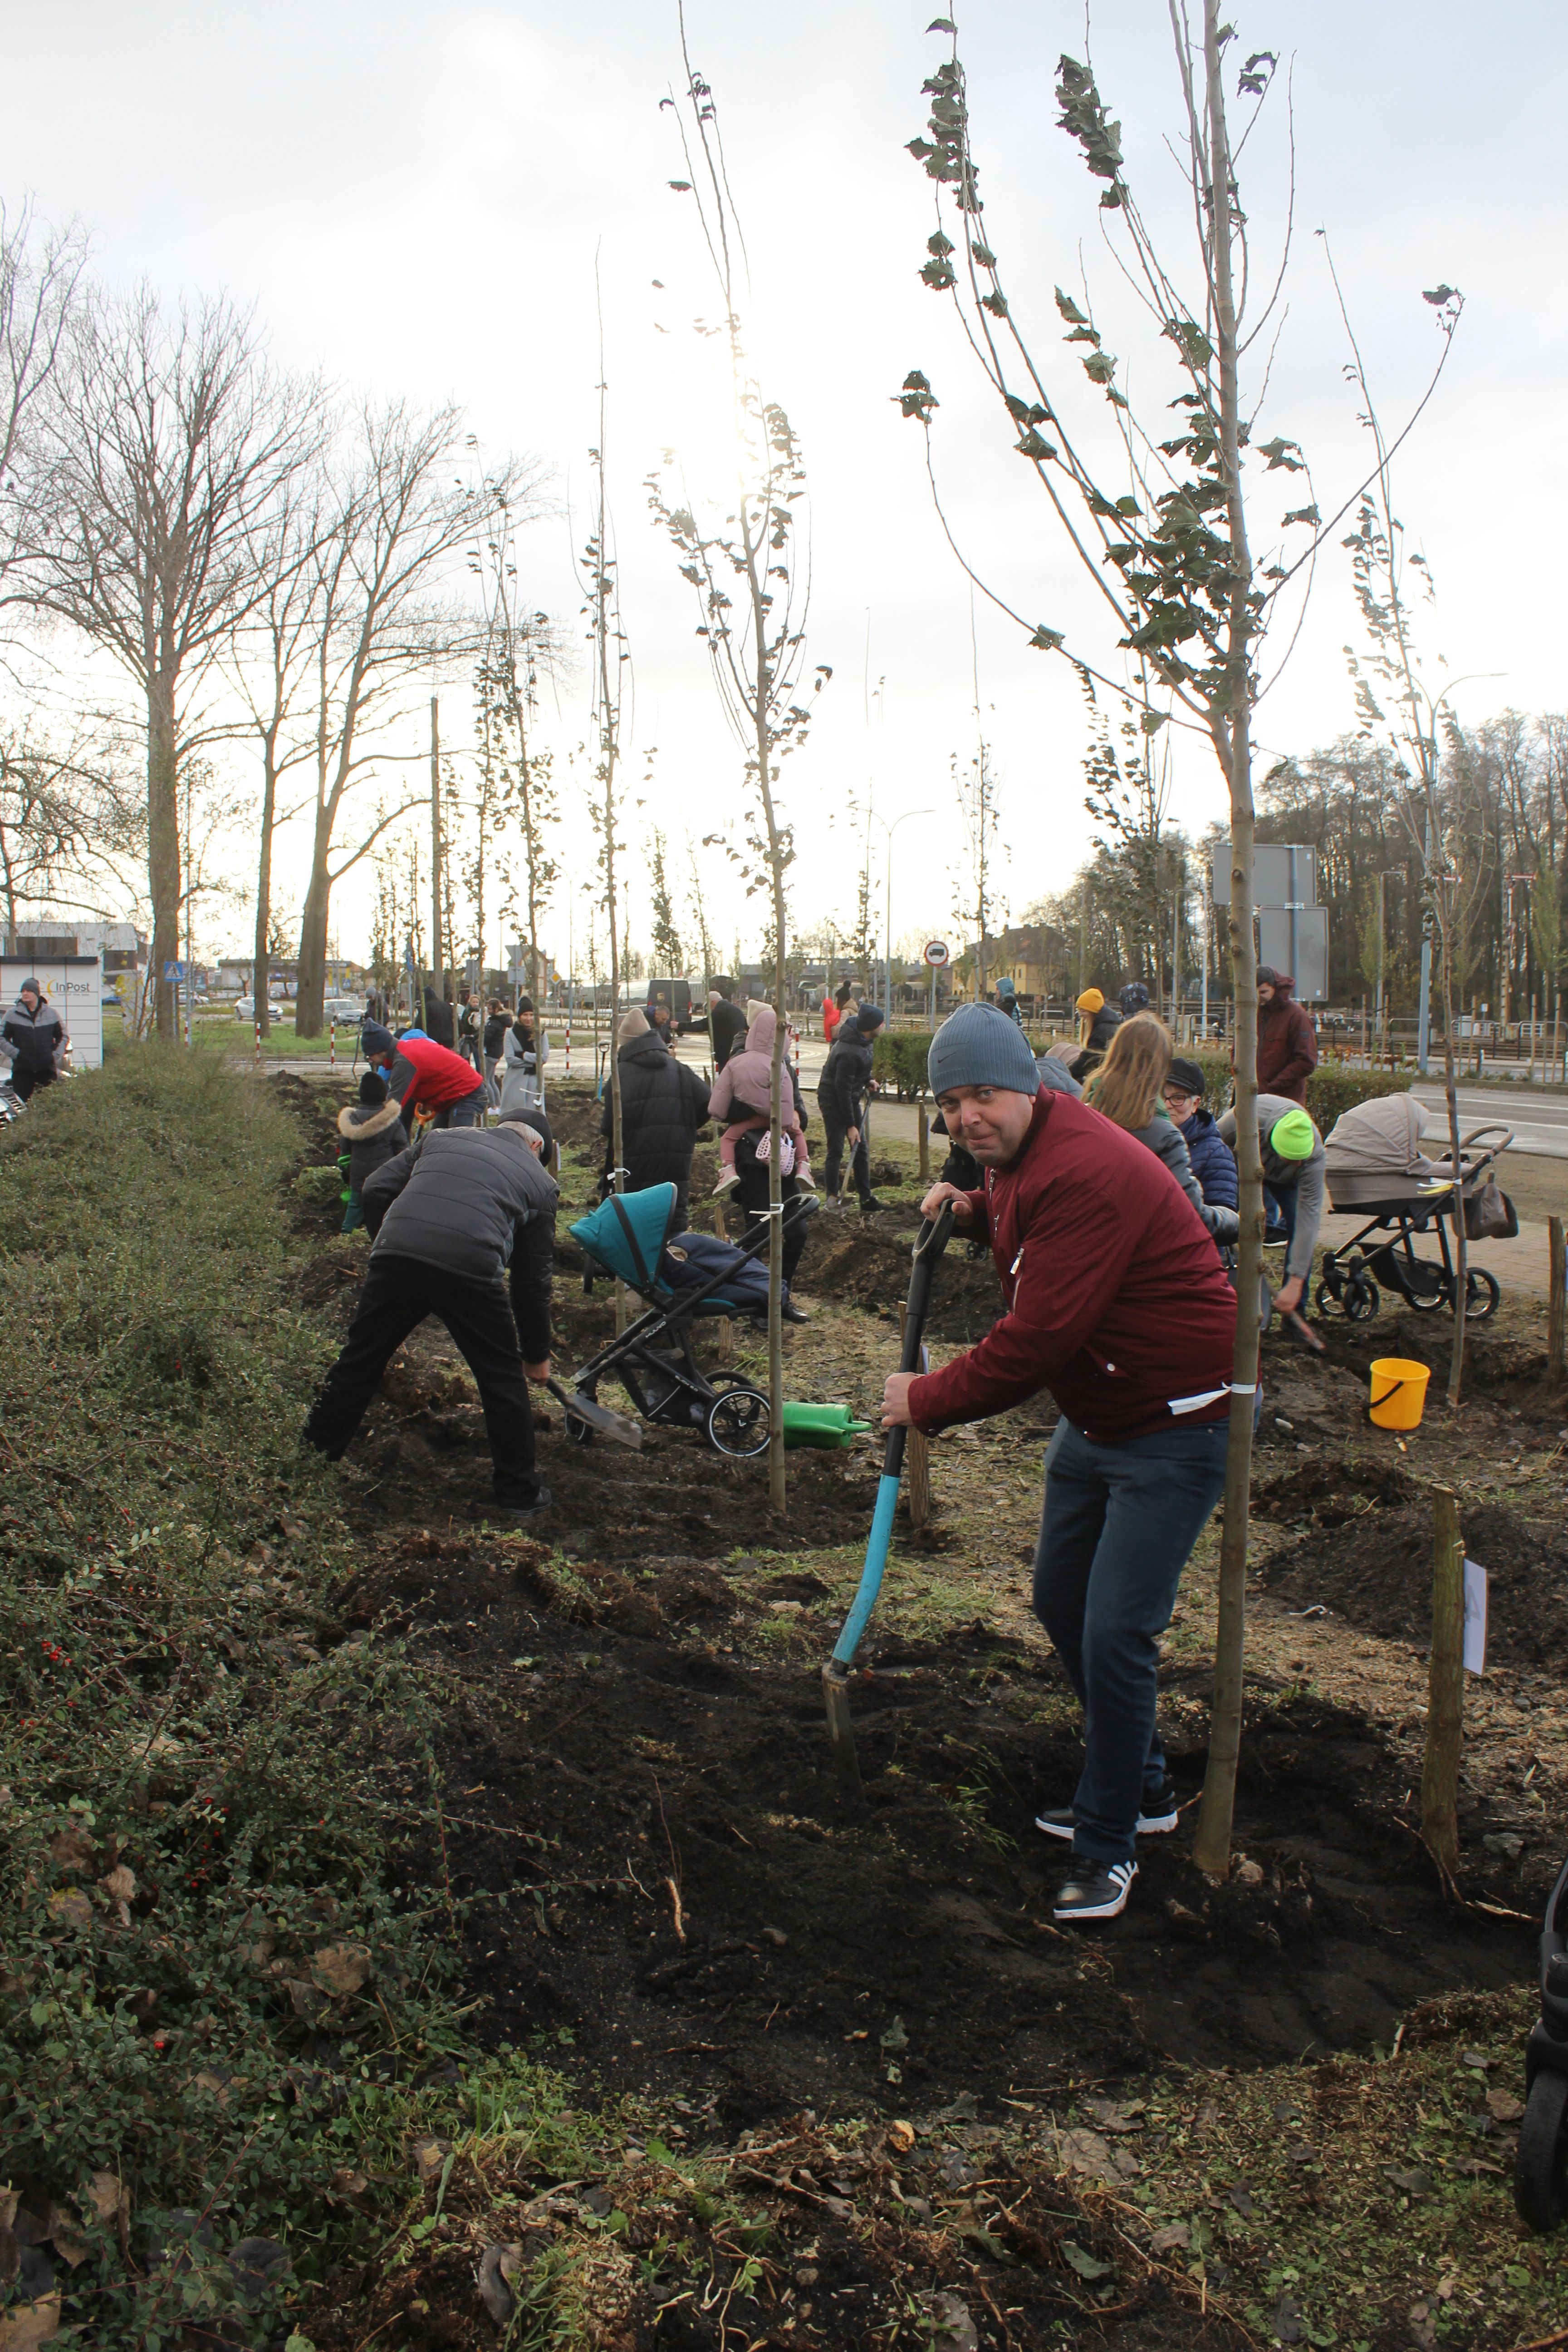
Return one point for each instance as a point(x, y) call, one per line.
point(1160, 1814)
point(1094, 1892)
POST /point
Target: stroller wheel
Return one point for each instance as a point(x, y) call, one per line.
point(1538, 2185)
point(1482, 1295)
point(1362, 1300)
point(739, 1421)
point(1431, 1302)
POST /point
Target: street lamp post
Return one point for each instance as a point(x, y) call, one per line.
point(888, 904)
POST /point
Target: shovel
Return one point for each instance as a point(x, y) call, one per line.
point(618, 1427)
point(929, 1247)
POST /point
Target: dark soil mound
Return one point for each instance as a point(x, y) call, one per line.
point(574, 1113)
point(677, 1884)
point(423, 1442)
point(1376, 1571)
point(1304, 1497)
point(865, 1262)
point(316, 1103)
point(1495, 1364)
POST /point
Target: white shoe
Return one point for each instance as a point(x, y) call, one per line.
point(804, 1176)
point(727, 1182)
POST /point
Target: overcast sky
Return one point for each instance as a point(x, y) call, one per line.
point(415, 198)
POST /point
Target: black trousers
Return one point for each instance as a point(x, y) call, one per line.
point(24, 1080)
point(751, 1195)
point(859, 1165)
point(398, 1294)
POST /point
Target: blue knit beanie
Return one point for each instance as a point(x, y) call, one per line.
point(979, 1046)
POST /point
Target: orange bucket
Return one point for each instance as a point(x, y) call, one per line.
point(1398, 1391)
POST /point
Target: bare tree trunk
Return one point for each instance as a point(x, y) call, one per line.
point(1233, 740)
point(261, 972)
point(163, 845)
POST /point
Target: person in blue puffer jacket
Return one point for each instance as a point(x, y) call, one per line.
point(1213, 1162)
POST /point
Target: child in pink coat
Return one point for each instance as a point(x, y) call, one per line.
point(743, 1093)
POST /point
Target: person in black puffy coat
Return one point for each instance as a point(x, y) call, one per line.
point(663, 1104)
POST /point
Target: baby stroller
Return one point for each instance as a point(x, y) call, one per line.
point(681, 1277)
point(1376, 1167)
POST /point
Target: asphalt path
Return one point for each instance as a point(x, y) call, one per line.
point(1539, 1121)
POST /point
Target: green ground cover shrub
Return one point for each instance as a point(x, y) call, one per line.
point(212, 1983)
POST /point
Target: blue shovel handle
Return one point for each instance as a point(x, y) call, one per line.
point(929, 1247)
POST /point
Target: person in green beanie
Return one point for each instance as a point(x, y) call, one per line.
point(1294, 1187)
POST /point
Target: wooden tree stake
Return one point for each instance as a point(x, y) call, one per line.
point(1557, 1305)
point(1446, 1682)
point(924, 1132)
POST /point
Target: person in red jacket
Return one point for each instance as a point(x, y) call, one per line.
point(425, 1076)
point(1118, 1305)
point(1286, 1041)
point(834, 1009)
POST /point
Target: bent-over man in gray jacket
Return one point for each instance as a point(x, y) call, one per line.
point(1294, 1183)
point(447, 1218)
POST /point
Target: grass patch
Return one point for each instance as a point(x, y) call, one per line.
point(216, 1969)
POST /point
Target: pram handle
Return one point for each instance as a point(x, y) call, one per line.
point(1490, 1126)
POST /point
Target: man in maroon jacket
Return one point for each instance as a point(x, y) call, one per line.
point(1118, 1305)
point(1286, 1041)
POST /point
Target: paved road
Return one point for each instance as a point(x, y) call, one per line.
point(1540, 1122)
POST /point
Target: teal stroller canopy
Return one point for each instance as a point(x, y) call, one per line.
point(626, 1234)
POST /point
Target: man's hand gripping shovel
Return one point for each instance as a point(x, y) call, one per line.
point(929, 1247)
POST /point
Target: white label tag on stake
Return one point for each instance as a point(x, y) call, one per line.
point(1475, 1619)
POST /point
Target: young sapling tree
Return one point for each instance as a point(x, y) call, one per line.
point(1161, 523)
point(749, 575)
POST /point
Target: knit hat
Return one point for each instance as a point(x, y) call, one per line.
point(631, 1026)
point(1134, 998)
point(1293, 1136)
point(869, 1019)
point(978, 1047)
point(376, 1040)
point(373, 1089)
point(1187, 1077)
point(32, 984)
point(529, 1115)
point(1090, 1000)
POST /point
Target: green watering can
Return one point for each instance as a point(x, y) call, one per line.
point(821, 1424)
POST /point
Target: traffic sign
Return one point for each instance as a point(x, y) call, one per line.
point(937, 953)
point(176, 970)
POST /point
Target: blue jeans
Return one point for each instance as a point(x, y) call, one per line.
point(1280, 1213)
point(1119, 1526)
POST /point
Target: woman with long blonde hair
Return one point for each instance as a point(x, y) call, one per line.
point(1128, 1089)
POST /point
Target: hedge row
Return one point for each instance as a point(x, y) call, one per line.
point(900, 1062)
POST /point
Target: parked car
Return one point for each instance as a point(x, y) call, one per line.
point(348, 1012)
point(245, 1008)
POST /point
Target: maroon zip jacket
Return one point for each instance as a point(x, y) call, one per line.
point(1287, 1045)
point(1116, 1301)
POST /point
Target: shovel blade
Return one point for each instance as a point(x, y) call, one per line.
point(841, 1732)
point(618, 1427)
